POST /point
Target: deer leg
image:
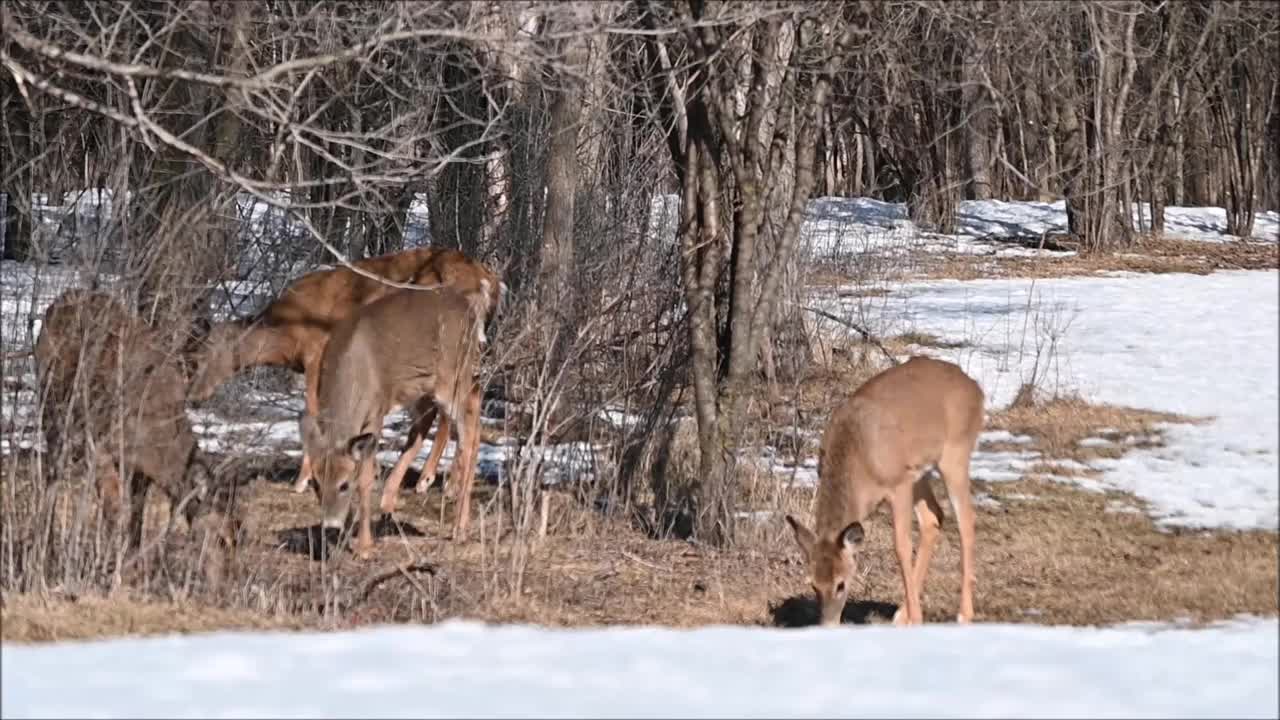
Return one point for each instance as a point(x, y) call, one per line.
point(421, 422)
point(438, 444)
point(311, 372)
point(465, 464)
point(364, 485)
point(929, 516)
point(955, 473)
point(110, 488)
point(900, 503)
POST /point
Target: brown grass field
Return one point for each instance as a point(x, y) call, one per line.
point(1049, 552)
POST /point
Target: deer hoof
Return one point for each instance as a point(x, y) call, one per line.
point(388, 505)
point(902, 619)
point(364, 550)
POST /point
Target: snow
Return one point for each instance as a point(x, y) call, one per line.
point(1204, 346)
point(842, 226)
point(463, 669)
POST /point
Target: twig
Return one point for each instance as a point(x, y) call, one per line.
point(646, 563)
point(866, 334)
point(399, 570)
point(168, 528)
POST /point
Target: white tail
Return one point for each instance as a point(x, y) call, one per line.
point(413, 348)
point(885, 442)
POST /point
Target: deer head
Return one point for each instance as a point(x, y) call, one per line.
point(212, 358)
point(831, 566)
point(336, 468)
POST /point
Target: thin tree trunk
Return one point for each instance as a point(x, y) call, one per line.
point(15, 173)
point(977, 129)
point(859, 188)
point(562, 185)
point(178, 226)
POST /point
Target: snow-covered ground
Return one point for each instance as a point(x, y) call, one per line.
point(459, 669)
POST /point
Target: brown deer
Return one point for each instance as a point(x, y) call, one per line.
point(886, 442)
point(412, 347)
point(292, 330)
point(112, 397)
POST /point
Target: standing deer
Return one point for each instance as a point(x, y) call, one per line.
point(112, 397)
point(409, 348)
point(885, 442)
point(292, 330)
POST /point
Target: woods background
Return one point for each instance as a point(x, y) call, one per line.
point(540, 134)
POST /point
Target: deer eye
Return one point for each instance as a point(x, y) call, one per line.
point(344, 486)
point(840, 588)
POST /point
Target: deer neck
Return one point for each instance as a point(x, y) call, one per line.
point(839, 501)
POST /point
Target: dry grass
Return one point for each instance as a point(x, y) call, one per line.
point(902, 343)
point(27, 618)
point(1057, 425)
point(838, 282)
point(1148, 255)
point(1048, 553)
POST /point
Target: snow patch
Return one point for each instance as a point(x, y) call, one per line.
point(466, 669)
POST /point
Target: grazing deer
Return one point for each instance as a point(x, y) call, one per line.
point(885, 442)
point(292, 330)
point(112, 397)
point(412, 347)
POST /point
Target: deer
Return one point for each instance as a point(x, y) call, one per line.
point(410, 348)
point(91, 348)
point(886, 442)
point(293, 329)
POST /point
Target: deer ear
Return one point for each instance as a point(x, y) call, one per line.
point(804, 536)
point(361, 446)
point(852, 535)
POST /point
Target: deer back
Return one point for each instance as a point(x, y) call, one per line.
point(103, 371)
point(409, 344)
point(898, 422)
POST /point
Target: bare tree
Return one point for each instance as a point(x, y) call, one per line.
point(1242, 88)
point(733, 102)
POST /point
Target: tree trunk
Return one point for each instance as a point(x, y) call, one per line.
point(387, 234)
point(458, 195)
point(178, 220)
point(700, 239)
point(1271, 153)
point(856, 161)
point(977, 129)
point(15, 175)
point(566, 109)
point(1156, 187)
point(1098, 212)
